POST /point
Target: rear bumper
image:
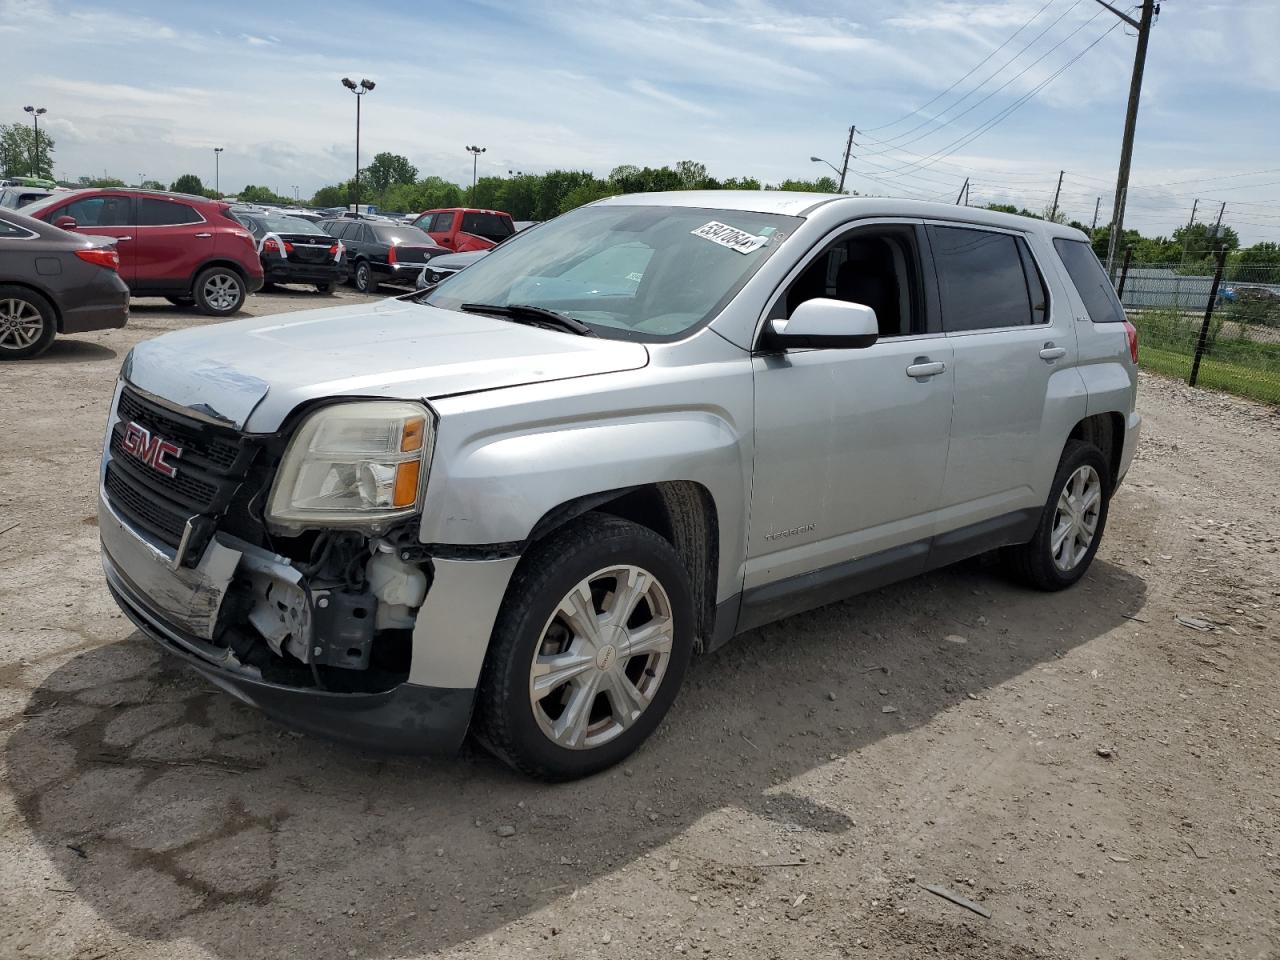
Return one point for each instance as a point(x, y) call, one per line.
point(410, 718)
point(285, 271)
point(407, 273)
point(1132, 428)
point(96, 316)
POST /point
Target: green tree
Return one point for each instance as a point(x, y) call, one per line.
point(388, 169)
point(255, 194)
point(17, 152)
point(1259, 263)
point(488, 192)
point(188, 183)
point(335, 196)
point(588, 191)
point(99, 182)
point(152, 185)
point(1201, 243)
point(821, 185)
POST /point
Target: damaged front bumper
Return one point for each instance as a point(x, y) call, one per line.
point(181, 608)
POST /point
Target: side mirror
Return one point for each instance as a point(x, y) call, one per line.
point(65, 223)
point(824, 323)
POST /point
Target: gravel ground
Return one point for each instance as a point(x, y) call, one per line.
point(1098, 776)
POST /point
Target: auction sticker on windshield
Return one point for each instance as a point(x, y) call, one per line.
point(730, 237)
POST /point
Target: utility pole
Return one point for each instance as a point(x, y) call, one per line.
point(1186, 237)
point(1194, 206)
point(1221, 210)
point(1143, 26)
point(963, 191)
point(1097, 205)
point(848, 148)
point(1054, 212)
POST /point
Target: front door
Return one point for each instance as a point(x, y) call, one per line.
point(851, 445)
point(109, 215)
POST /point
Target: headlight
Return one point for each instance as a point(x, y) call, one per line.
point(357, 464)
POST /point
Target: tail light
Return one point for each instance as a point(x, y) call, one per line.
point(101, 257)
point(1131, 333)
point(271, 246)
point(333, 250)
point(391, 254)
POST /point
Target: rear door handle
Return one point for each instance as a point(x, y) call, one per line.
point(204, 234)
point(123, 238)
point(924, 368)
point(1050, 352)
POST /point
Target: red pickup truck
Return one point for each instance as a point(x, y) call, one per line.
point(466, 228)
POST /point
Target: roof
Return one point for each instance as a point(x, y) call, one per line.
point(797, 204)
point(139, 191)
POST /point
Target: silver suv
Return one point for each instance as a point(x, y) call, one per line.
point(518, 503)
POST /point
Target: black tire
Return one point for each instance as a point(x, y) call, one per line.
point(267, 286)
point(363, 278)
point(28, 323)
point(1033, 563)
point(505, 720)
point(182, 301)
point(325, 288)
point(219, 292)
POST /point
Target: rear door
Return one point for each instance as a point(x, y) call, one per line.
point(109, 215)
point(171, 241)
point(1013, 345)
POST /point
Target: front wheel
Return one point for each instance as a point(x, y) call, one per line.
point(219, 292)
point(325, 288)
point(589, 649)
point(27, 323)
point(1071, 524)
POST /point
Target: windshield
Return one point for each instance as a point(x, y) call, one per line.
point(411, 236)
point(628, 272)
point(284, 225)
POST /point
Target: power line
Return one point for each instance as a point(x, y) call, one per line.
point(899, 141)
point(1007, 111)
point(976, 66)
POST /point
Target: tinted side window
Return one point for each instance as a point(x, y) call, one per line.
point(487, 225)
point(1090, 279)
point(153, 212)
point(980, 279)
point(443, 223)
point(335, 228)
point(9, 231)
point(98, 212)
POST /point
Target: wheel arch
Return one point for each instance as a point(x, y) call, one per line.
point(48, 297)
point(217, 262)
point(682, 512)
point(1106, 432)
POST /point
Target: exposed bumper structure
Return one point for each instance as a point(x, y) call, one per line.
point(429, 713)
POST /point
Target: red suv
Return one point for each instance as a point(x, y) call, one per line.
point(187, 249)
point(461, 229)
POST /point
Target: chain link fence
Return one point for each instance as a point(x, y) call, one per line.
point(1217, 327)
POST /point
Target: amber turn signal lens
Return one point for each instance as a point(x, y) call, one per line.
point(406, 489)
point(411, 439)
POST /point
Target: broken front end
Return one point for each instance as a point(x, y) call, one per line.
point(287, 567)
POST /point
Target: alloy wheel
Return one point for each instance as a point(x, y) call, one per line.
point(221, 291)
point(601, 657)
point(1075, 522)
point(21, 324)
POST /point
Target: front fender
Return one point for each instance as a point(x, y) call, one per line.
point(492, 486)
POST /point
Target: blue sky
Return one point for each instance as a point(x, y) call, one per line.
point(749, 87)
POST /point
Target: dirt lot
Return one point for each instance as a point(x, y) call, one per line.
point(1100, 777)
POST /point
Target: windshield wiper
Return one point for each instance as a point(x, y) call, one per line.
point(528, 313)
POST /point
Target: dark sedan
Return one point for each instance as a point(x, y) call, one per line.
point(382, 252)
point(294, 250)
point(52, 282)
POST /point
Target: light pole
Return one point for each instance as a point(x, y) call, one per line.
point(475, 159)
point(217, 171)
point(359, 89)
point(36, 113)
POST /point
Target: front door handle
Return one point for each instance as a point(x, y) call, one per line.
point(923, 368)
point(204, 234)
point(1050, 352)
point(122, 238)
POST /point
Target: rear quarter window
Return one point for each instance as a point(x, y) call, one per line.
point(1090, 280)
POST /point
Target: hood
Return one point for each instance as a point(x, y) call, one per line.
point(252, 373)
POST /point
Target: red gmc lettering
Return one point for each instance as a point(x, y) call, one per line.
point(150, 449)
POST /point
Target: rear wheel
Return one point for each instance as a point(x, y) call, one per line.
point(1071, 524)
point(325, 288)
point(589, 650)
point(28, 323)
point(219, 292)
point(363, 278)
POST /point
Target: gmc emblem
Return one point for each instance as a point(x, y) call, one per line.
point(151, 449)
